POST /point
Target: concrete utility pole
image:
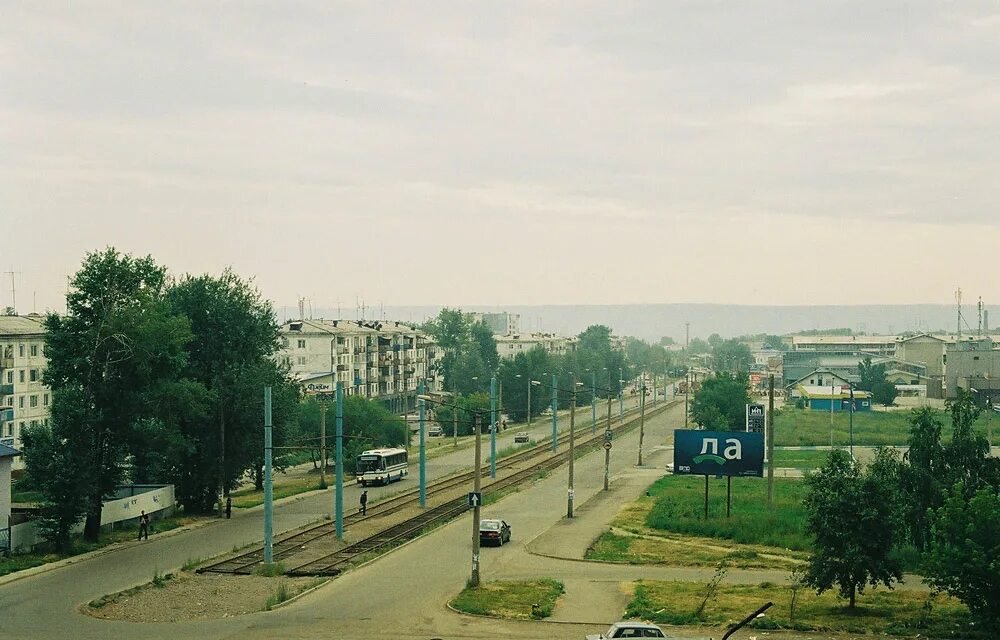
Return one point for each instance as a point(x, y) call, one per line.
point(454, 425)
point(572, 442)
point(268, 495)
point(642, 416)
point(593, 402)
point(477, 485)
point(322, 444)
point(555, 407)
point(338, 460)
point(493, 427)
point(529, 400)
point(770, 442)
point(423, 445)
point(687, 391)
point(607, 437)
point(621, 394)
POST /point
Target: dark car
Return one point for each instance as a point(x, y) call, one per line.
point(493, 532)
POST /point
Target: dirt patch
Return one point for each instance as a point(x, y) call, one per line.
point(189, 596)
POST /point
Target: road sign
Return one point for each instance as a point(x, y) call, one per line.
point(607, 435)
point(475, 499)
point(607, 445)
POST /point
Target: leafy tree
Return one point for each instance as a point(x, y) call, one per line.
point(231, 355)
point(774, 342)
point(923, 474)
point(697, 345)
point(58, 471)
point(715, 340)
point(884, 393)
point(517, 373)
point(871, 375)
point(108, 357)
point(968, 453)
point(964, 555)
point(720, 403)
point(444, 414)
point(731, 355)
point(484, 342)
point(853, 529)
point(666, 341)
point(596, 338)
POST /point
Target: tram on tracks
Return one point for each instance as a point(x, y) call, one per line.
point(381, 466)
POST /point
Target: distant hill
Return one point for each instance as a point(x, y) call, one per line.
point(651, 321)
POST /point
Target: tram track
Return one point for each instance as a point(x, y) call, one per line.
point(302, 543)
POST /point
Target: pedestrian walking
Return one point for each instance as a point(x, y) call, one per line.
point(364, 503)
point(143, 525)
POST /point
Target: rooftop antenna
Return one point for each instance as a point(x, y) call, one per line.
point(302, 308)
point(13, 289)
point(310, 308)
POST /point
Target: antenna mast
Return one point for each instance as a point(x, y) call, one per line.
point(958, 301)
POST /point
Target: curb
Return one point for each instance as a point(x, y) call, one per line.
point(111, 548)
point(545, 620)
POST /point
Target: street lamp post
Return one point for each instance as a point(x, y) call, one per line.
point(476, 486)
point(423, 444)
point(642, 416)
point(572, 440)
point(687, 391)
point(493, 427)
point(621, 395)
point(607, 437)
point(593, 403)
point(555, 411)
point(851, 420)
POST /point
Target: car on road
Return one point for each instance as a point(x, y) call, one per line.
point(434, 431)
point(494, 531)
point(629, 629)
point(521, 436)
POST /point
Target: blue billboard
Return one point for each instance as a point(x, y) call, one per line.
point(718, 453)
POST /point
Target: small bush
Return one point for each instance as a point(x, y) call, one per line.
point(281, 594)
point(271, 570)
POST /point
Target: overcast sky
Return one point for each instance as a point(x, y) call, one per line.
point(509, 153)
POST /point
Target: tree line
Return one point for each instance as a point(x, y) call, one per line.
point(160, 380)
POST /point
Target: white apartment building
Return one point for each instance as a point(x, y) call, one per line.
point(510, 345)
point(24, 400)
point(372, 359)
point(502, 323)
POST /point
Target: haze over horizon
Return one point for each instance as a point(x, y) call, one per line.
point(776, 153)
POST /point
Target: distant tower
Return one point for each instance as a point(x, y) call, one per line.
point(958, 302)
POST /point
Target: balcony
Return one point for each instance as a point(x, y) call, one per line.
point(6, 363)
point(6, 389)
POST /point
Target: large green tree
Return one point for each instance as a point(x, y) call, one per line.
point(871, 375)
point(924, 473)
point(235, 338)
point(720, 403)
point(853, 520)
point(731, 355)
point(964, 555)
point(108, 357)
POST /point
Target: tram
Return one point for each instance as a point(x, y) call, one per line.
point(381, 466)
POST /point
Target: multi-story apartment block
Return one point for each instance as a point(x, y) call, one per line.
point(510, 345)
point(24, 400)
point(502, 324)
point(383, 360)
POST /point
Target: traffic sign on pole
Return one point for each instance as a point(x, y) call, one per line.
point(475, 498)
point(607, 445)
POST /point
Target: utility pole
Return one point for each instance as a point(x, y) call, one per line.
point(607, 437)
point(268, 495)
point(831, 413)
point(493, 427)
point(477, 485)
point(555, 407)
point(13, 288)
point(572, 441)
point(454, 425)
point(338, 460)
point(423, 445)
point(687, 392)
point(593, 403)
point(621, 394)
point(529, 400)
point(642, 415)
point(769, 435)
point(322, 444)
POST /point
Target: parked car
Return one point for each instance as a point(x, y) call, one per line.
point(629, 629)
point(521, 436)
point(434, 431)
point(494, 531)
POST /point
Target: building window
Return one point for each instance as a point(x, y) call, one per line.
point(20, 375)
point(33, 375)
point(301, 360)
point(10, 377)
point(34, 423)
point(34, 350)
point(45, 400)
point(302, 344)
point(20, 350)
point(284, 342)
point(22, 427)
point(20, 402)
point(34, 401)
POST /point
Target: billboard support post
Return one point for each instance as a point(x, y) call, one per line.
point(706, 497)
point(729, 495)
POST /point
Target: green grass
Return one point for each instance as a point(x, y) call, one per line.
point(251, 497)
point(803, 427)
point(801, 459)
point(44, 554)
point(281, 594)
point(906, 613)
point(271, 570)
point(678, 506)
point(511, 599)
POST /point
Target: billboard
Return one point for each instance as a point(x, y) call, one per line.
point(757, 421)
point(718, 453)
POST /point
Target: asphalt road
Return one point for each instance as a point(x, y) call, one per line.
point(44, 605)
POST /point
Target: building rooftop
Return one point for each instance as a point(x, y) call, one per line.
point(21, 325)
point(8, 452)
point(844, 340)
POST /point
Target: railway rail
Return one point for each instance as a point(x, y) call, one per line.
point(539, 459)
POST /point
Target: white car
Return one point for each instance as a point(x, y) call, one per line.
point(521, 436)
point(629, 629)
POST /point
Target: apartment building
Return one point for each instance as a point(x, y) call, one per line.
point(24, 400)
point(509, 346)
point(383, 360)
point(502, 323)
point(871, 345)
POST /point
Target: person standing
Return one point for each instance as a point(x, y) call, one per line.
point(143, 526)
point(364, 503)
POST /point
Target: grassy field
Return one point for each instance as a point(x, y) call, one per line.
point(802, 459)
point(283, 487)
point(667, 526)
point(906, 613)
point(511, 599)
point(803, 427)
